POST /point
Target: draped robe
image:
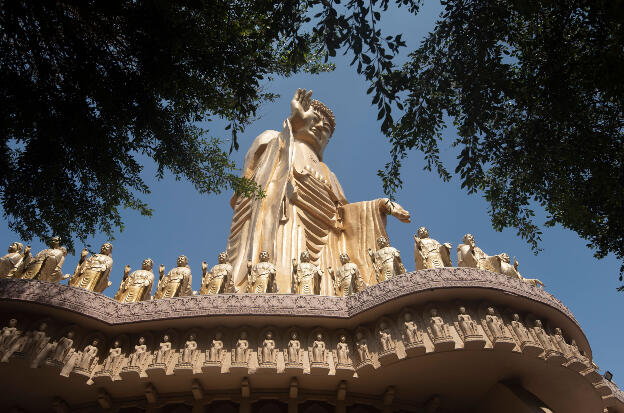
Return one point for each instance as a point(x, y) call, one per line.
point(301, 211)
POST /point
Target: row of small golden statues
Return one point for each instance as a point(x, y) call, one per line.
point(92, 272)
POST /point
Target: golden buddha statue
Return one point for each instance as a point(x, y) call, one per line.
point(261, 276)
point(386, 260)
point(429, 253)
point(306, 276)
point(92, 273)
point(138, 285)
point(304, 207)
point(47, 265)
point(12, 263)
point(219, 279)
point(177, 282)
point(347, 279)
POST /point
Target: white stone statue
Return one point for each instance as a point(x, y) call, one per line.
point(62, 350)
point(362, 347)
point(261, 276)
point(190, 352)
point(177, 282)
point(386, 260)
point(139, 356)
point(113, 358)
point(318, 350)
point(92, 273)
point(219, 279)
point(347, 280)
point(437, 327)
point(12, 264)
point(164, 354)
point(495, 325)
point(47, 265)
point(412, 333)
point(88, 357)
point(306, 276)
point(241, 352)
point(268, 349)
point(520, 330)
point(216, 348)
point(294, 349)
point(304, 206)
point(429, 253)
point(467, 326)
point(541, 336)
point(342, 351)
point(385, 338)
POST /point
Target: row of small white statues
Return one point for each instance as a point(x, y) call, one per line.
point(38, 347)
point(92, 272)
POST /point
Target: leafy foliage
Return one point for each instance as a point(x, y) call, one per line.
point(535, 90)
point(91, 89)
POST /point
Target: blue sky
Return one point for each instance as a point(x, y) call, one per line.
point(185, 222)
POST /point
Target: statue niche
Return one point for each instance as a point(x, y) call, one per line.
point(304, 207)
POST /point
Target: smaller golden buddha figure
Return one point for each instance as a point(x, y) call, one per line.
point(347, 279)
point(177, 282)
point(47, 265)
point(219, 279)
point(138, 285)
point(92, 272)
point(307, 276)
point(261, 276)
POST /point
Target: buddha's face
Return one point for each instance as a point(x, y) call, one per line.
point(222, 258)
point(243, 335)
point(505, 258)
point(94, 343)
point(12, 322)
point(408, 316)
point(316, 133)
point(294, 336)
point(468, 239)
point(116, 344)
point(182, 261)
point(218, 335)
point(106, 249)
point(141, 340)
point(319, 337)
point(382, 242)
point(165, 338)
point(343, 339)
point(15, 247)
point(148, 264)
point(423, 232)
point(264, 256)
point(269, 335)
point(434, 312)
point(490, 311)
point(462, 310)
point(192, 337)
point(516, 317)
point(54, 242)
point(70, 334)
point(344, 258)
point(305, 256)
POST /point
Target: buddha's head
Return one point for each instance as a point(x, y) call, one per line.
point(147, 264)
point(106, 249)
point(222, 257)
point(264, 256)
point(16, 247)
point(505, 257)
point(382, 242)
point(182, 261)
point(319, 128)
point(468, 239)
point(344, 258)
point(423, 232)
point(54, 242)
point(305, 256)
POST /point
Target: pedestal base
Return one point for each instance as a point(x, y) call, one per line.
point(531, 349)
point(444, 345)
point(415, 349)
point(344, 371)
point(592, 375)
point(555, 357)
point(267, 368)
point(183, 369)
point(504, 344)
point(293, 369)
point(211, 367)
point(130, 373)
point(388, 357)
point(474, 342)
point(103, 377)
point(365, 367)
point(156, 370)
point(576, 364)
point(318, 368)
point(80, 372)
point(240, 368)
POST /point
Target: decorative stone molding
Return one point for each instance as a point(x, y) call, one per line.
point(111, 312)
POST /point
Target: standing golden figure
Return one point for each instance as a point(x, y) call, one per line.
point(177, 282)
point(219, 279)
point(347, 279)
point(138, 285)
point(386, 260)
point(12, 264)
point(47, 265)
point(261, 276)
point(304, 207)
point(92, 273)
point(306, 276)
point(429, 253)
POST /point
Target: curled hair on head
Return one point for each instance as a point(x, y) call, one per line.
point(325, 111)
